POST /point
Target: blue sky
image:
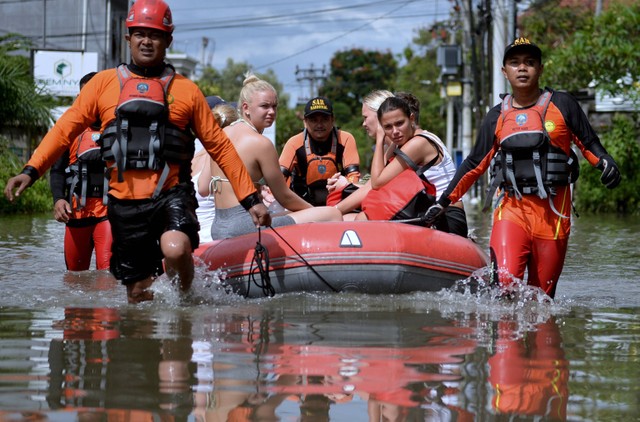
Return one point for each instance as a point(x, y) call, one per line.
point(283, 34)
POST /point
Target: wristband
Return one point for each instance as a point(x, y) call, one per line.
point(32, 173)
point(250, 201)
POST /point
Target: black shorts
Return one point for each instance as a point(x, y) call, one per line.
point(454, 221)
point(137, 226)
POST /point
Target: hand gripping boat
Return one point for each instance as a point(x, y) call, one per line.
point(360, 256)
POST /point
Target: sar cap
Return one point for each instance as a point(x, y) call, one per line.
point(522, 44)
point(318, 105)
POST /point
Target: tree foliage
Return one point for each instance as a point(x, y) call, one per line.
point(227, 83)
point(620, 140)
point(356, 72)
point(603, 53)
point(420, 76)
point(36, 199)
point(22, 105)
point(551, 25)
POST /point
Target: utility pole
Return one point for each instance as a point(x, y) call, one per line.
point(466, 82)
point(313, 76)
point(499, 41)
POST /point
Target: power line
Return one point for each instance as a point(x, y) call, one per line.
point(358, 28)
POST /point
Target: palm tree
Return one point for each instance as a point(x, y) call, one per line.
point(23, 109)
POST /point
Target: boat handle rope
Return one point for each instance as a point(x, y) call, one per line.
point(261, 259)
point(304, 260)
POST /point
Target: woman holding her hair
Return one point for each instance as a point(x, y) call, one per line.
point(405, 173)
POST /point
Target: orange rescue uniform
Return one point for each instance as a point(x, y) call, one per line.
point(187, 108)
point(314, 162)
point(527, 232)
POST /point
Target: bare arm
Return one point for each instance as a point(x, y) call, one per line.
point(267, 158)
point(354, 200)
point(418, 149)
point(378, 162)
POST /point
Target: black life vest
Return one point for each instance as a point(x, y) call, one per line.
point(309, 179)
point(87, 174)
point(527, 163)
point(141, 137)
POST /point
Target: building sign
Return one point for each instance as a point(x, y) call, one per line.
point(58, 73)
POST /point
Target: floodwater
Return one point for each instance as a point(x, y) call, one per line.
point(72, 349)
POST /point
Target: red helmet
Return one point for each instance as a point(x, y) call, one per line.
point(150, 14)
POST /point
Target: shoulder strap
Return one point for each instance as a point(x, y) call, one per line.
point(544, 101)
point(337, 152)
point(506, 103)
point(306, 142)
point(419, 170)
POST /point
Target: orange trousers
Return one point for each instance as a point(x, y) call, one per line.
point(79, 243)
point(514, 249)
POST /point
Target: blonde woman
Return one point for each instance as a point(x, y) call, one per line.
point(370, 104)
point(257, 106)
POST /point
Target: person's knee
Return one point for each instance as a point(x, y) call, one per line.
point(175, 245)
point(334, 214)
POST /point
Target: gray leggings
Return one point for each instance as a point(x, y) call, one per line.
point(236, 221)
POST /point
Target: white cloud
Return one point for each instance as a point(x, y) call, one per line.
point(289, 32)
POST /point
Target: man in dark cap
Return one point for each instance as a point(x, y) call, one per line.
point(320, 151)
point(529, 136)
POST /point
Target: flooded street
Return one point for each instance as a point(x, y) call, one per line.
point(72, 349)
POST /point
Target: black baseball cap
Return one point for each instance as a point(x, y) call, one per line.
point(318, 105)
point(214, 100)
point(522, 44)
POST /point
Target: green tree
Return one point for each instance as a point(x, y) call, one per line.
point(420, 76)
point(356, 72)
point(23, 110)
point(227, 82)
point(22, 106)
point(551, 24)
point(36, 199)
point(603, 53)
point(620, 140)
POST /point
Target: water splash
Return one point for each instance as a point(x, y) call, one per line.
point(208, 288)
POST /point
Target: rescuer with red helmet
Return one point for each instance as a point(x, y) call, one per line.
point(150, 115)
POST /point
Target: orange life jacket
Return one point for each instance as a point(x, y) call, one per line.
point(87, 171)
point(527, 163)
point(140, 137)
point(406, 197)
point(312, 183)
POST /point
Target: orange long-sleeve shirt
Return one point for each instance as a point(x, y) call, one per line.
point(187, 107)
point(566, 124)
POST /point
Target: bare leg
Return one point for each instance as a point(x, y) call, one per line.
point(361, 216)
point(311, 215)
point(176, 248)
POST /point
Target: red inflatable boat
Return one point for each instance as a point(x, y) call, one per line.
point(364, 256)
